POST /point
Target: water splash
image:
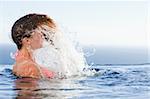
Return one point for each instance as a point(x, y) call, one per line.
point(60, 54)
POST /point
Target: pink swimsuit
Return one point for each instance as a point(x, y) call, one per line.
point(47, 73)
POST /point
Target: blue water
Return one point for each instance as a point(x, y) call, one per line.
point(131, 80)
point(5, 50)
point(109, 82)
point(101, 55)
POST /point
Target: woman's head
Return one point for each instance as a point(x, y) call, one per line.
point(25, 30)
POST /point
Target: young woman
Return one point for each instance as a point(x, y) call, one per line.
point(27, 35)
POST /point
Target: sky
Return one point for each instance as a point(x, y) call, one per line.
point(116, 23)
point(103, 23)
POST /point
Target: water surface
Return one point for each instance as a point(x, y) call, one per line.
point(109, 82)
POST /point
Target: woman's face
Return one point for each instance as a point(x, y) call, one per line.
point(36, 40)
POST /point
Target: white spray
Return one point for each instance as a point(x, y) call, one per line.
point(59, 54)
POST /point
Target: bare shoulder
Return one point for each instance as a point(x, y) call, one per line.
point(26, 69)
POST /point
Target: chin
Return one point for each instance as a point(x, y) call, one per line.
point(37, 47)
point(40, 46)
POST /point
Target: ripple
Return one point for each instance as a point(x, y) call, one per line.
point(108, 83)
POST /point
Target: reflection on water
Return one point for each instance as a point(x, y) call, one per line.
point(57, 88)
point(61, 88)
point(26, 88)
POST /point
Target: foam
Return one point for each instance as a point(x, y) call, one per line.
point(59, 54)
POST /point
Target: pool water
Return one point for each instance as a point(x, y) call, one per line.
point(109, 82)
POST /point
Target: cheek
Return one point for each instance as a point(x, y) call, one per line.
point(37, 42)
point(40, 38)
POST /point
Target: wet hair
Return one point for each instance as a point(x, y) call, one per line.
point(22, 27)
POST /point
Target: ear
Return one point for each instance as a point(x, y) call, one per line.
point(26, 41)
